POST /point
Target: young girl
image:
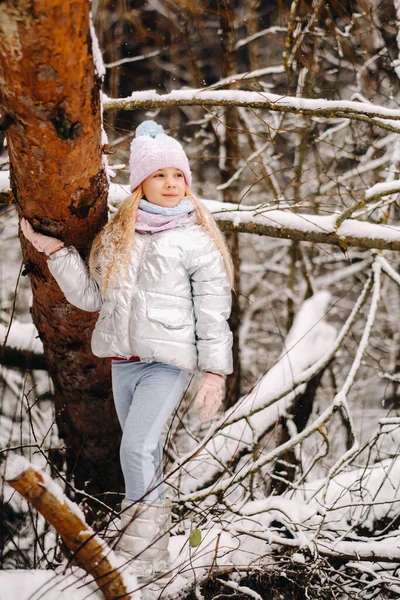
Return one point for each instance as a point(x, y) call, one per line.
point(161, 277)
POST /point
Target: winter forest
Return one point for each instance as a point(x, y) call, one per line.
point(289, 111)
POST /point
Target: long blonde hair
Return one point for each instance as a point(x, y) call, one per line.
point(112, 248)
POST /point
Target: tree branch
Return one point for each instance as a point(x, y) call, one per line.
point(90, 552)
point(383, 117)
point(22, 359)
point(368, 551)
point(309, 228)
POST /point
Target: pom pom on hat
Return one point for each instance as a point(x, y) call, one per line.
point(150, 128)
point(153, 149)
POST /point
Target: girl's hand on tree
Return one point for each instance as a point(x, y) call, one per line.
point(209, 395)
point(42, 243)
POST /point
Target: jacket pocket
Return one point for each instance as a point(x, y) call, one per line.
point(172, 318)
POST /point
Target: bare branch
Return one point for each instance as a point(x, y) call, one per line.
point(386, 118)
point(22, 359)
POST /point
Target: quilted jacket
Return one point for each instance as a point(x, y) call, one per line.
point(172, 308)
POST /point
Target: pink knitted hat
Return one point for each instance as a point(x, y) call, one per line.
point(152, 149)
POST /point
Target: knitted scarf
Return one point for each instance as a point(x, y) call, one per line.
point(152, 218)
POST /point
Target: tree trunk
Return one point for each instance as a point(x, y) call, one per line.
point(230, 194)
point(50, 100)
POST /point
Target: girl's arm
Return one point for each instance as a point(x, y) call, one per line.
point(68, 269)
point(72, 275)
point(211, 292)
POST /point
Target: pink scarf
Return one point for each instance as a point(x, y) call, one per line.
point(147, 222)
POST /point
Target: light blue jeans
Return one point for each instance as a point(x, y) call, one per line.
point(145, 395)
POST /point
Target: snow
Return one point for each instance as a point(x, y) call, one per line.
point(240, 588)
point(309, 338)
point(218, 548)
point(35, 584)
point(117, 193)
point(63, 584)
point(358, 496)
point(354, 229)
point(298, 558)
point(254, 36)
point(382, 188)
point(315, 509)
point(53, 487)
point(276, 220)
point(97, 55)
point(22, 336)
point(268, 100)
point(256, 74)
point(124, 61)
point(4, 181)
point(14, 466)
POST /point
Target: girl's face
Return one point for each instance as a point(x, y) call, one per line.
point(165, 187)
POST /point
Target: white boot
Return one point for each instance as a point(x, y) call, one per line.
point(144, 537)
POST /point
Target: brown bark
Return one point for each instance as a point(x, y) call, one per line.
point(226, 11)
point(89, 551)
point(50, 98)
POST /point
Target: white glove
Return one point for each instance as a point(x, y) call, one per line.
point(42, 243)
point(209, 395)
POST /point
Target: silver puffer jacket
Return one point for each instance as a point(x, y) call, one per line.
point(172, 308)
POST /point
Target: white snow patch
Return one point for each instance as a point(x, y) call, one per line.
point(4, 181)
point(298, 558)
point(363, 495)
point(23, 336)
point(97, 55)
point(64, 584)
point(14, 466)
point(383, 188)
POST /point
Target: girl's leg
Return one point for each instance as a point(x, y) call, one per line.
point(157, 391)
point(125, 376)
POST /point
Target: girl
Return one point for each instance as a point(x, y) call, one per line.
point(161, 277)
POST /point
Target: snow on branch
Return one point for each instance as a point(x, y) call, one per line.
point(21, 347)
point(318, 525)
point(256, 74)
point(339, 403)
point(251, 532)
point(386, 118)
point(22, 336)
point(307, 227)
point(68, 520)
point(309, 338)
point(273, 395)
point(285, 224)
point(380, 551)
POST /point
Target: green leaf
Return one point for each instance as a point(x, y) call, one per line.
point(195, 538)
